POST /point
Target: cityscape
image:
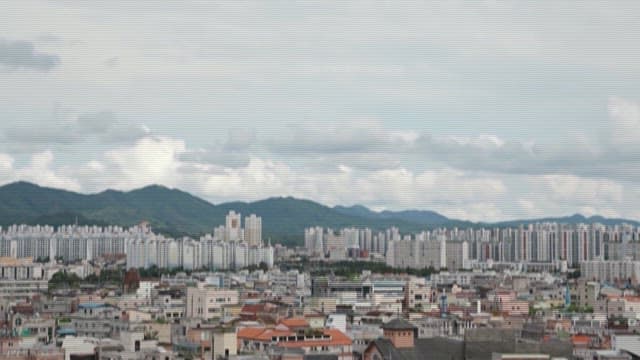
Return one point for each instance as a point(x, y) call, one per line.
point(319, 180)
point(562, 290)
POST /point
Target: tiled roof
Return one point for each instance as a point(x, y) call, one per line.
point(261, 334)
point(580, 339)
point(252, 308)
point(266, 334)
point(337, 338)
point(295, 322)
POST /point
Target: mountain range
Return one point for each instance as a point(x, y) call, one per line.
point(175, 212)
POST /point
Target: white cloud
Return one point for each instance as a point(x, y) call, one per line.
point(150, 160)
point(576, 189)
point(41, 170)
point(232, 152)
point(624, 125)
point(6, 167)
point(408, 73)
point(453, 192)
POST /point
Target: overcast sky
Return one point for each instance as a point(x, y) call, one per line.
point(480, 110)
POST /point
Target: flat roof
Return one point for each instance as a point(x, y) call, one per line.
point(91, 305)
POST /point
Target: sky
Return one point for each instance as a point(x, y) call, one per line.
point(482, 110)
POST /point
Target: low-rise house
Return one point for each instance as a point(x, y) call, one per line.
point(303, 341)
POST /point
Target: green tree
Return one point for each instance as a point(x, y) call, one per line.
point(64, 280)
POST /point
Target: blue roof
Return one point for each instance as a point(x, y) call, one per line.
point(91, 305)
point(66, 331)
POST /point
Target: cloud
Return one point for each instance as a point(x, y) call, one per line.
point(543, 195)
point(112, 62)
point(6, 167)
point(22, 55)
point(105, 126)
point(159, 160)
point(472, 110)
point(613, 155)
point(240, 139)
point(151, 160)
point(96, 123)
point(353, 136)
point(584, 191)
point(624, 129)
point(360, 143)
point(40, 169)
point(457, 193)
point(101, 127)
point(369, 144)
point(232, 152)
point(46, 135)
point(124, 134)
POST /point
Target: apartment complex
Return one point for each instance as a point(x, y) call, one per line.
point(539, 243)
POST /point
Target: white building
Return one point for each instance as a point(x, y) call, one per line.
point(313, 241)
point(206, 302)
point(611, 271)
point(233, 227)
point(253, 230)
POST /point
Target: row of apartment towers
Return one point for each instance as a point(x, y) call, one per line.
point(232, 230)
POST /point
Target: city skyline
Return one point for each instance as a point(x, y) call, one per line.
point(409, 216)
point(305, 180)
point(483, 112)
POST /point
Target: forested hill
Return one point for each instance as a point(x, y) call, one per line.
point(176, 212)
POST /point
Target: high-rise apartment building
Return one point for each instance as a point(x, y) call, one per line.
point(335, 245)
point(253, 230)
point(313, 241)
point(233, 227)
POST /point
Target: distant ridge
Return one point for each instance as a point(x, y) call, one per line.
point(414, 216)
point(573, 219)
point(179, 213)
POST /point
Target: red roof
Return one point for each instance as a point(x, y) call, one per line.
point(580, 339)
point(337, 338)
point(261, 334)
point(294, 323)
point(252, 308)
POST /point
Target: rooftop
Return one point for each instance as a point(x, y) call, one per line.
point(11, 261)
point(91, 305)
point(398, 324)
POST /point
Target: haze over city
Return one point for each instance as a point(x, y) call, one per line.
point(483, 111)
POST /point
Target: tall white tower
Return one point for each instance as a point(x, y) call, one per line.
point(253, 230)
point(233, 227)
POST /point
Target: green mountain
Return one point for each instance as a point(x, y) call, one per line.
point(172, 211)
point(424, 217)
point(178, 213)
